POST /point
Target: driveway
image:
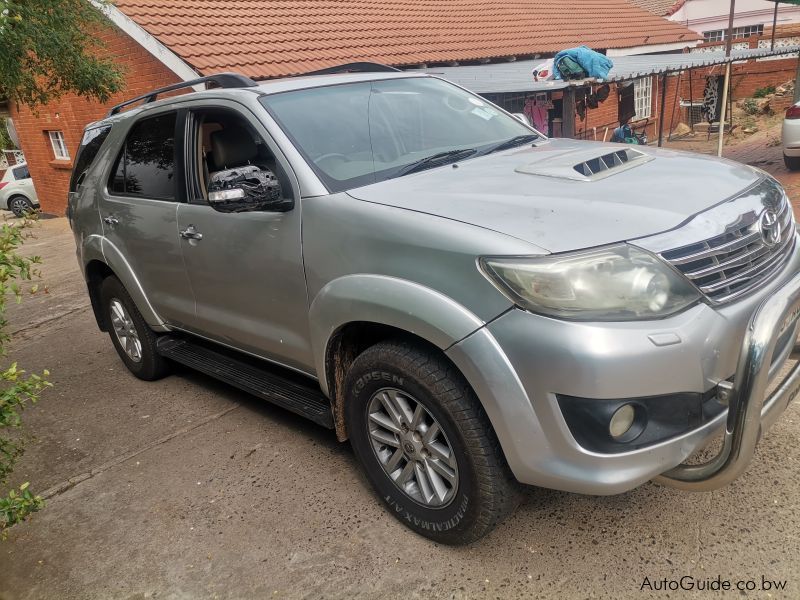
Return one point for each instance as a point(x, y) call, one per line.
point(187, 488)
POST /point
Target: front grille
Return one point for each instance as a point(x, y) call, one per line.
point(738, 261)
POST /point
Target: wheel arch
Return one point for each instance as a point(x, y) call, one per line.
point(20, 195)
point(102, 259)
point(96, 273)
point(385, 307)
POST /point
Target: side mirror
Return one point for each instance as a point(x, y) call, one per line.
point(247, 189)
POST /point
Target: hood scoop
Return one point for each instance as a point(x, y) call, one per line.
point(587, 166)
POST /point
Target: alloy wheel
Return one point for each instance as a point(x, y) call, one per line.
point(412, 448)
point(125, 330)
point(19, 206)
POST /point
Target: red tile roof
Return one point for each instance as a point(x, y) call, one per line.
point(269, 38)
point(657, 7)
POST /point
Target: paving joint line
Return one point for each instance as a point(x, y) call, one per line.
point(70, 483)
point(27, 328)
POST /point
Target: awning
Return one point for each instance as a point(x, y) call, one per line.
point(509, 77)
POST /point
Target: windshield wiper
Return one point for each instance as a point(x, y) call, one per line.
point(517, 140)
point(435, 160)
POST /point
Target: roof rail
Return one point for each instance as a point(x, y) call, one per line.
point(222, 80)
point(355, 67)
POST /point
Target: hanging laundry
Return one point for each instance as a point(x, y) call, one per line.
point(538, 114)
point(595, 64)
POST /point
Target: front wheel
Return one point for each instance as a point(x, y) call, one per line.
point(133, 339)
point(426, 444)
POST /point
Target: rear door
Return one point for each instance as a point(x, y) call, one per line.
point(139, 213)
point(24, 182)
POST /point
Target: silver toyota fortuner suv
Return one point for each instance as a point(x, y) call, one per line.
point(471, 304)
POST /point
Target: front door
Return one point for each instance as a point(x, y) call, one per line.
point(246, 269)
point(139, 214)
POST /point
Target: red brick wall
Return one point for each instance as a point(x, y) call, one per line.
point(601, 121)
point(748, 77)
point(71, 114)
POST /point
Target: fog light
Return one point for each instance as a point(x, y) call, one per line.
point(621, 421)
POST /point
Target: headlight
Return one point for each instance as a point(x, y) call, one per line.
point(617, 283)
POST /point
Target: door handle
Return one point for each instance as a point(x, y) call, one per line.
point(190, 233)
point(111, 220)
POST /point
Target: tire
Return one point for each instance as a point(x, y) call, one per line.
point(481, 489)
point(792, 162)
point(20, 205)
point(121, 315)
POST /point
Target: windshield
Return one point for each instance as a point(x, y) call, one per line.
point(361, 133)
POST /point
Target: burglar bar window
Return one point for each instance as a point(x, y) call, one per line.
point(643, 97)
point(718, 35)
point(743, 32)
point(59, 145)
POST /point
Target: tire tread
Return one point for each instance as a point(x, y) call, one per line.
point(499, 491)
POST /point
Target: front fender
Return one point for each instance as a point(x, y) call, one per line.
point(122, 269)
point(388, 301)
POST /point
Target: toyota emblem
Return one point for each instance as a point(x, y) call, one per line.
point(770, 228)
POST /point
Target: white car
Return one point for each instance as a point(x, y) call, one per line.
point(17, 193)
point(790, 136)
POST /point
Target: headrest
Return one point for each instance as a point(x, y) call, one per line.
point(233, 146)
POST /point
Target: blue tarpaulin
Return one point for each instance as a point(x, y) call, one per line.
point(595, 64)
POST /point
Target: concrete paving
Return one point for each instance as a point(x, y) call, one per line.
point(187, 488)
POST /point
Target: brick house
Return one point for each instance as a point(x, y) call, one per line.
point(159, 43)
point(710, 17)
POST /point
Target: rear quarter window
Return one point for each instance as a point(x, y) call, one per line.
point(90, 145)
point(21, 173)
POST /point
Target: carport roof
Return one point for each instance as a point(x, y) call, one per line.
point(273, 38)
point(516, 76)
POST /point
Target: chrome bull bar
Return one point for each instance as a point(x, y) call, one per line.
point(747, 402)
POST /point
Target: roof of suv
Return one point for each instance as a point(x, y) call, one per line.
point(272, 86)
point(286, 84)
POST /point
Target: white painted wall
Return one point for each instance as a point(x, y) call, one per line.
point(710, 15)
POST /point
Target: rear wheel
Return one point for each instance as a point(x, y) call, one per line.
point(426, 444)
point(20, 205)
point(133, 339)
point(792, 162)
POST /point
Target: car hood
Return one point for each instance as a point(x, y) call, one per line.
point(559, 197)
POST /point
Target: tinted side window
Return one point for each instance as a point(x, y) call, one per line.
point(90, 145)
point(146, 165)
point(21, 173)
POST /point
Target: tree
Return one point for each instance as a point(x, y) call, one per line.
point(50, 47)
point(17, 388)
point(5, 139)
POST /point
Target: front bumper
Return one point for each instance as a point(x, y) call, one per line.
point(520, 362)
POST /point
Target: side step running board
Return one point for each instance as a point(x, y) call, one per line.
point(247, 375)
